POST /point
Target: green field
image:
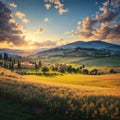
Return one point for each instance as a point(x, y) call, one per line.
point(88, 61)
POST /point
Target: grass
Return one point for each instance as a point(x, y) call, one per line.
point(9, 110)
point(67, 102)
point(72, 96)
point(88, 61)
point(79, 80)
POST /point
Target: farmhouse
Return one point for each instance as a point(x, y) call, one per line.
point(25, 64)
point(61, 66)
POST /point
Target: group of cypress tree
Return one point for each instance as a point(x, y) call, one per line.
point(7, 61)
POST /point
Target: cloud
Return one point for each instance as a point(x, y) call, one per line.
point(22, 16)
point(69, 32)
point(13, 5)
point(50, 43)
point(47, 6)
point(102, 27)
point(46, 19)
point(10, 31)
point(106, 3)
point(61, 42)
point(62, 10)
point(57, 4)
point(41, 30)
point(108, 15)
point(115, 3)
point(96, 3)
point(45, 44)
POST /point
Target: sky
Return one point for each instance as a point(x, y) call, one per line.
point(36, 24)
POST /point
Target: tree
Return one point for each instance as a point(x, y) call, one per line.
point(83, 66)
point(54, 68)
point(5, 65)
point(1, 56)
point(5, 56)
point(74, 70)
point(94, 72)
point(10, 59)
point(19, 64)
point(36, 66)
point(80, 67)
point(62, 70)
point(14, 60)
point(39, 64)
point(85, 71)
point(45, 69)
point(69, 69)
point(112, 71)
point(11, 65)
point(1, 63)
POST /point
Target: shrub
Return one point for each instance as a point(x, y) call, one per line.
point(2, 73)
point(45, 69)
point(94, 72)
point(85, 71)
point(113, 71)
point(62, 70)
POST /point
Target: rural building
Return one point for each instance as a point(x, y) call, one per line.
point(25, 64)
point(61, 66)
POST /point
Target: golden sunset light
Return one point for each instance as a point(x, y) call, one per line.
point(59, 59)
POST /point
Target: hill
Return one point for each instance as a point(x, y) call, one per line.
point(94, 53)
point(94, 44)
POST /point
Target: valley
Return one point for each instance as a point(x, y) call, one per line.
point(71, 82)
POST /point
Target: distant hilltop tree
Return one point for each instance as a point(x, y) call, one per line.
point(5, 56)
point(39, 64)
point(11, 65)
point(85, 71)
point(10, 59)
point(36, 66)
point(112, 71)
point(94, 72)
point(19, 64)
point(45, 69)
point(14, 60)
point(1, 56)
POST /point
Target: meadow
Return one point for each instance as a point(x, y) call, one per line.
point(66, 97)
point(86, 60)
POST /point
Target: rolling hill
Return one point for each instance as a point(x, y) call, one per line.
point(91, 53)
point(94, 44)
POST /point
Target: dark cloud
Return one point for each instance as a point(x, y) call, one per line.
point(102, 27)
point(10, 30)
point(108, 15)
point(115, 3)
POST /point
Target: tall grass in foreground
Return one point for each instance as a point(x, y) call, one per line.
point(71, 104)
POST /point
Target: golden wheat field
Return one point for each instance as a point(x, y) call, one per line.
point(74, 96)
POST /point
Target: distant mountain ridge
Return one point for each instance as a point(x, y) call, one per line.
point(93, 53)
point(100, 45)
point(22, 53)
point(91, 44)
point(95, 45)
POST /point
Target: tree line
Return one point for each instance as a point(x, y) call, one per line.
point(9, 62)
